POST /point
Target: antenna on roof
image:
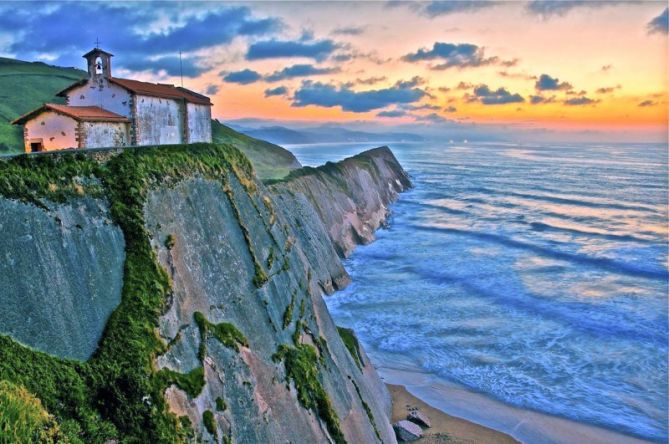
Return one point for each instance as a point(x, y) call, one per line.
point(181, 70)
point(97, 43)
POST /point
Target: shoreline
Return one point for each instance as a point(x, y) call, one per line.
point(468, 412)
point(445, 428)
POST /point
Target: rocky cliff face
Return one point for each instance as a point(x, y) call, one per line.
point(243, 348)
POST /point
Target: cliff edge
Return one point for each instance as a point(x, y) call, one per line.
point(197, 293)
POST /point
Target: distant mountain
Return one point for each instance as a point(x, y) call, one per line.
point(323, 134)
point(25, 86)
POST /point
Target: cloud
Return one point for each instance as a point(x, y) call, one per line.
point(500, 96)
point(414, 81)
point(171, 65)
point(371, 80)
point(438, 8)
point(273, 49)
point(509, 63)
point(647, 103)
point(392, 113)
point(425, 106)
point(660, 24)
point(607, 89)
point(278, 91)
point(326, 95)
point(243, 77)
point(540, 100)
point(556, 8)
point(450, 109)
point(548, 83)
point(516, 75)
point(211, 89)
point(580, 101)
point(349, 30)
point(291, 72)
point(459, 55)
point(431, 118)
point(133, 31)
point(464, 86)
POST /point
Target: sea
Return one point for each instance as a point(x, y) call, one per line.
point(529, 277)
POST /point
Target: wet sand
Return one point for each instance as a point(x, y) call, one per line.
point(435, 396)
point(445, 428)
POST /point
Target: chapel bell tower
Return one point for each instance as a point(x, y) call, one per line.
point(99, 63)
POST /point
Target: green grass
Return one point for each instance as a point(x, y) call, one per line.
point(23, 419)
point(117, 394)
point(301, 364)
point(209, 422)
point(288, 313)
point(226, 333)
point(25, 86)
point(270, 161)
point(351, 342)
point(192, 382)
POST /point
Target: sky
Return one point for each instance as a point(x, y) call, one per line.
point(560, 70)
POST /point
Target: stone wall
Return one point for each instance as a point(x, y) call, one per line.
point(159, 121)
point(106, 95)
point(199, 123)
point(104, 134)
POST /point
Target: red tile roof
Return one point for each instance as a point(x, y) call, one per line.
point(80, 113)
point(161, 90)
point(150, 89)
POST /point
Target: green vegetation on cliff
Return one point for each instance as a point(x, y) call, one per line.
point(226, 333)
point(351, 343)
point(117, 393)
point(301, 364)
point(23, 419)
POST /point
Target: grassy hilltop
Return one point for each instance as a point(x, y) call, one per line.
point(26, 85)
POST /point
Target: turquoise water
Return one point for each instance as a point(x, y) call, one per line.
point(536, 275)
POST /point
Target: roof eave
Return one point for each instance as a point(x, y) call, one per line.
point(63, 92)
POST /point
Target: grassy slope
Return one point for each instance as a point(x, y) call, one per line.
point(25, 86)
point(270, 161)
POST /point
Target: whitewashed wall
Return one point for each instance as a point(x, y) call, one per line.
point(55, 130)
point(105, 134)
point(159, 121)
point(110, 97)
point(199, 123)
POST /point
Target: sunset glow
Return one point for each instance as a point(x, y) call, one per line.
point(456, 62)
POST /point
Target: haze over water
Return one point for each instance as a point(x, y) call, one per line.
point(535, 275)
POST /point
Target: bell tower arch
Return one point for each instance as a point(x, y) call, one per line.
point(99, 63)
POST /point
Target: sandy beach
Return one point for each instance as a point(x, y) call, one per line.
point(445, 428)
point(488, 421)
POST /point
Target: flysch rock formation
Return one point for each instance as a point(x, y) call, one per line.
point(61, 270)
point(296, 228)
point(247, 267)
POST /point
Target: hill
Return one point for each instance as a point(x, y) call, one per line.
point(25, 86)
point(323, 134)
point(269, 160)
